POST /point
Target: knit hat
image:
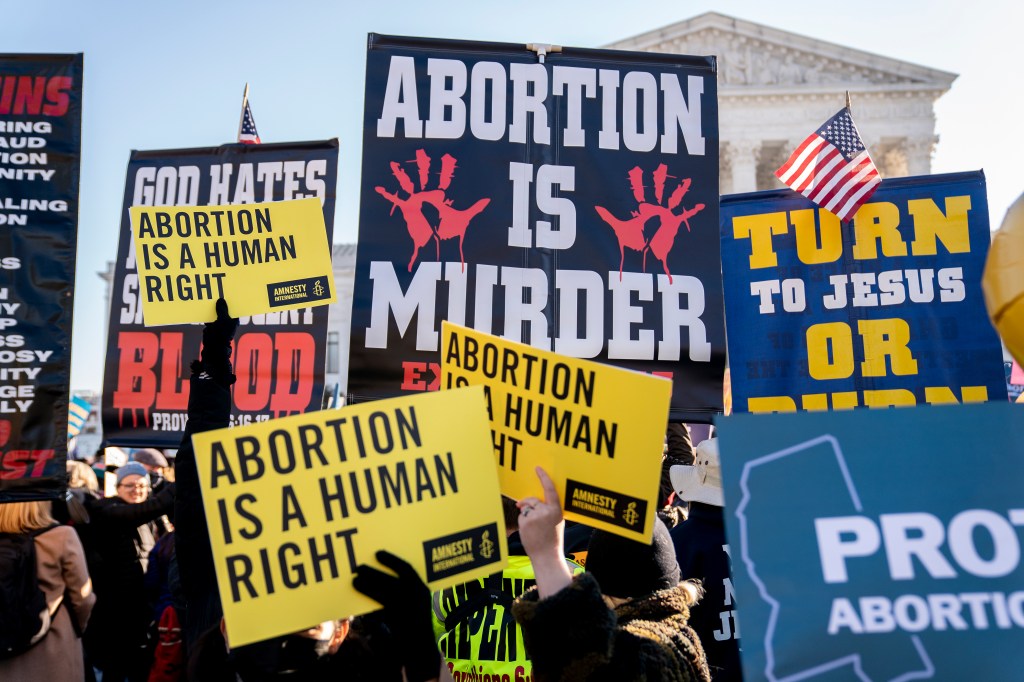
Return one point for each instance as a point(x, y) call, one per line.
point(629, 569)
point(132, 468)
point(150, 457)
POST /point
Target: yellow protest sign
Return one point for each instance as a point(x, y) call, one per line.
point(295, 504)
point(261, 258)
point(597, 430)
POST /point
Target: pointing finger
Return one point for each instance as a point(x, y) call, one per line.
point(550, 492)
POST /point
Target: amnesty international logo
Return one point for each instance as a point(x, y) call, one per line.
point(610, 506)
point(486, 545)
point(297, 291)
point(630, 515)
point(461, 552)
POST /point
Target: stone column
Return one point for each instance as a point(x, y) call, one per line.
point(742, 156)
point(919, 154)
point(724, 170)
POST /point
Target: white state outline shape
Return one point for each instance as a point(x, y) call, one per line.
point(853, 659)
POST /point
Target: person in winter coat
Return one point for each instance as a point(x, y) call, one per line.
point(625, 619)
point(83, 490)
point(392, 645)
point(122, 533)
point(473, 621)
point(703, 554)
point(64, 579)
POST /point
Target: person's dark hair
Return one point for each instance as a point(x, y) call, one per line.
point(508, 506)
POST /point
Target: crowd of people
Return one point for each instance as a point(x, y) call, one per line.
point(572, 604)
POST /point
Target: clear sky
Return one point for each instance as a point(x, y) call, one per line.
point(162, 75)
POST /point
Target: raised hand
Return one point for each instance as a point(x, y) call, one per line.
point(406, 602)
point(215, 357)
point(542, 531)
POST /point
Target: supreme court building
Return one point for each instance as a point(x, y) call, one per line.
point(774, 89)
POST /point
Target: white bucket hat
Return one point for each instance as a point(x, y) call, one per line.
point(702, 481)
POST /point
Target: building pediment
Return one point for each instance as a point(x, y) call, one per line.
point(753, 56)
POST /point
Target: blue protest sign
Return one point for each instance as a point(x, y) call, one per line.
point(877, 545)
point(882, 310)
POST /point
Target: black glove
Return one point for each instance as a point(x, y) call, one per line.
point(215, 358)
point(406, 602)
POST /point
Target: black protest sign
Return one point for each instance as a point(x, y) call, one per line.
point(40, 143)
point(279, 357)
point(569, 202)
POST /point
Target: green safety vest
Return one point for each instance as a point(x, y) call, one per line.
point(475, 630)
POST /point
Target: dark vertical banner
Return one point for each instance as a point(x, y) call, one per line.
point(568, 201)
point(279, 358)
point(885, 309)
point(40, 145)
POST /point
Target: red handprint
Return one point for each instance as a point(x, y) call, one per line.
point(452, 222)
point(630, 232)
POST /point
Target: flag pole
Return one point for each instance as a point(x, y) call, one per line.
point(849, 105)
point(241, 115)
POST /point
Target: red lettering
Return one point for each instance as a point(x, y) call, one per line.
point(413, 371)
point(14, 464)
point(274, 371)
point(253, 351)
point(173, 391)
point(56, 96)
point(295, 351)
point(40, 457)
point(136, 381)
point(25, 95)
point(29, 92)
point(7, 95)
point(5, 432)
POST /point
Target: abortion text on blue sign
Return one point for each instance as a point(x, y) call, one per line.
point(877, 544)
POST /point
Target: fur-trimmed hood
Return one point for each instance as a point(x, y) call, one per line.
point(573, 635)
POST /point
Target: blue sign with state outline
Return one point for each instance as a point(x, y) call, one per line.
point(878, 545)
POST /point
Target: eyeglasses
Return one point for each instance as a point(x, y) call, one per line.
point(135, 486)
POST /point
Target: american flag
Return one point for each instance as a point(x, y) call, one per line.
point(832, 168)
point(247, 133)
